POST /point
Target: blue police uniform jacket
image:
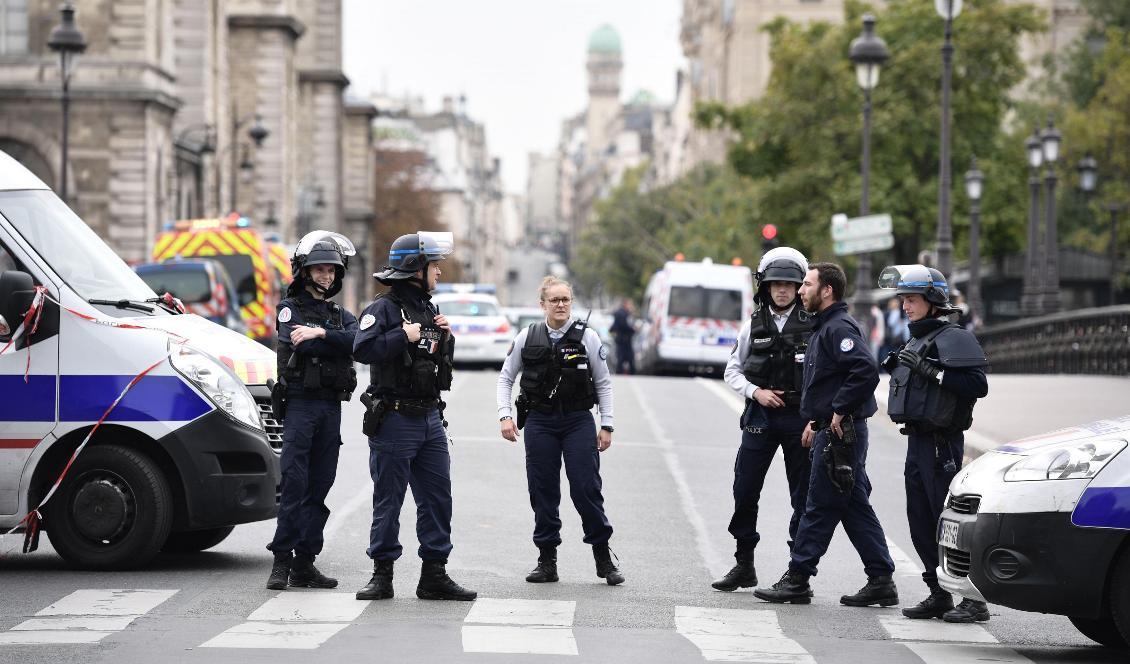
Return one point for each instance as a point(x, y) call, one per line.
point(380, 336)
point(338, 343)
point(840, 373)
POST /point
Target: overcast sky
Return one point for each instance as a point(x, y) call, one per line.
point(521, 63)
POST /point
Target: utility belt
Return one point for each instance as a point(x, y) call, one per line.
point(523, 406)
point(376, 408)
point(924, 428)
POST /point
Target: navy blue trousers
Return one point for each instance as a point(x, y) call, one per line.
point(752, 465)
point(625, 358)
point(549, 439)
point(410, 451)
point(828, 507)
point(927, 482)
point(311, 443)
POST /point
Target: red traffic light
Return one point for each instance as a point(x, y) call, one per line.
point(768, 231)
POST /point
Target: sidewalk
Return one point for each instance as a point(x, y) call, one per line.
point(1021, 405)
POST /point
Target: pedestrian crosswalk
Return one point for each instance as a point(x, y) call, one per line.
point(308, 620)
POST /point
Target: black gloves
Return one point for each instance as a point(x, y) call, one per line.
point(890, 361)
point(918, 364)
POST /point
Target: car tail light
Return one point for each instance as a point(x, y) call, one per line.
point(503, 328)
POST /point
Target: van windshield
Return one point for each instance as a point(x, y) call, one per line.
point(70, 247)
point(701, 302)
point(190, 284)
point(242, 272)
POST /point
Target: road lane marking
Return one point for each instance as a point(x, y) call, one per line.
point(281, 635)
point(904, 629)
point(309, 607)
point(715, 564)
point(738, 635)
point(86, 616)
point(948, 653)
point(724, 393)
point(520, 626)
point(292, 620)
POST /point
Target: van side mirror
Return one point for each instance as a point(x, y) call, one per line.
point(17, 291)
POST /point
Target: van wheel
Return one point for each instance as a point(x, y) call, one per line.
point(113, 511)
point(1120, 596)
point(1103, 630)
point(190, 541)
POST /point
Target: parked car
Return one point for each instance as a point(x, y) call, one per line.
point(482, 333)
point(202, 285)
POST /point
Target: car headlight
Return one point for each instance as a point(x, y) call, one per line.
point(1073, 461)
point(218, 382)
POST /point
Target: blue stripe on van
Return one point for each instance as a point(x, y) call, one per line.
point(154, 398)
point(33, 401)
point(1103, 507)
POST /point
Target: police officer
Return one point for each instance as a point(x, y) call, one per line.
point(767, 368)
point(936, 377)
point(315, 368)
point(409, 346)
point(564, 374)
point(840, 376)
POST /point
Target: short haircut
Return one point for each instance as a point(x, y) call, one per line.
point(832, 275)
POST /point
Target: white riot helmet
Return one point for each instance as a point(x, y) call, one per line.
point(779, 264)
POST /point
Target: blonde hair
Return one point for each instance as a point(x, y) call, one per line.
point(550, 282)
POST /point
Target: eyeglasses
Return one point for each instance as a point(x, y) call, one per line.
point(559, 301)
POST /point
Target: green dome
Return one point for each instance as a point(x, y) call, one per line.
point(604, 39)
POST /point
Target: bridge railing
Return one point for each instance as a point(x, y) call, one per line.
point(1082, 341)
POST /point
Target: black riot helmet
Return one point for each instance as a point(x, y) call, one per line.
point(412, 252)
point(918, 280)
point(320, 248)
point(779, 264)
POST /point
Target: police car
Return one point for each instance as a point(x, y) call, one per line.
point(1043, 524)
point(183, 446)
point(482, 332)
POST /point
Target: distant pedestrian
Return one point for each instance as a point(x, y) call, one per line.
point(624, 331)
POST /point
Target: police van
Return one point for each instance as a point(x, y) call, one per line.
point(692, 315)
point(183, 444)
point(1043, 524)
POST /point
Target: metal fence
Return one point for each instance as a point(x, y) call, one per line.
point(1083, 341)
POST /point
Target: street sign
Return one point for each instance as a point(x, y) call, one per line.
point(860, 227)
point(864, 245)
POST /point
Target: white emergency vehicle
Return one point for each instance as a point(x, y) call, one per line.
point(692, 315)
point(189, 451)
point(1043, 524)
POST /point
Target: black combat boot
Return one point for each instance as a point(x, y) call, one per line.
point(934, 606)
point(605, 568)
point(743, 575)
point(793, 588)
point(436, 584)
point(380, 586)
point(546, 571)
point(970, 610)
point(878, 590)
point(280, 571)
point(303, 574)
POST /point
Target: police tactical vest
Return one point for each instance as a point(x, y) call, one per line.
point(425, 368)
point(915, 399)
point(557, 375)
point(776, 358)
point(318, 377)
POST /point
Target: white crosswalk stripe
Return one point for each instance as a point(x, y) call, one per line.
point(904, 629)
point(739, 635)
point(520, 626)
point(292, 620)
point(86, 616)
point(953, 653)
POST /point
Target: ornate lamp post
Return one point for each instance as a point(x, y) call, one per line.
point(948, 10)
point(868, 52)
point(1050, 139)
point(67, 41)
point(1088, 181)
point(974, 186)
point(1032, 295)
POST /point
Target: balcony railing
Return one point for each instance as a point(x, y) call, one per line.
point(1083, 341)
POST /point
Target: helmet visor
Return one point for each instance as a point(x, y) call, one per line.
point(313, 237)
point(896, 277)
point(436, 245)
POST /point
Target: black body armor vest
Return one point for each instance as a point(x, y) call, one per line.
point(557, 376)
point(916, 400)
point(776, 358)
point(425, 368)
point(317, 377)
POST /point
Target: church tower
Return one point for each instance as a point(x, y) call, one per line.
point(604, 65)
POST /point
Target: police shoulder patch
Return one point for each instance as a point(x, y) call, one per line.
point(511, 349)
point(285, 315)
point(603, 352)
point(367, 321)
point(846, 345)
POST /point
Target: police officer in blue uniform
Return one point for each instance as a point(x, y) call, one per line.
point(409, 346)
point(315, 368)
point(767, 367)
point(564, 375)
point(936, 377)
point(840, 376)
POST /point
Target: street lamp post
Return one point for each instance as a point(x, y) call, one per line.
point(67, 41)
point(948, 10)
point(1032, 295)
point(257, 133)
point(974, 187)
point(1050, 139)
point(1088, 181)
point(868, 53)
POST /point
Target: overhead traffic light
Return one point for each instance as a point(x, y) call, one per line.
point(769, 238)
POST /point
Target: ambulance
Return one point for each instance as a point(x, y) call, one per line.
point(125, 427)
point(1043, 524)
point(249, 258)
point(692, 315)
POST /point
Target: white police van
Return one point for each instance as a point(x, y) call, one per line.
point(1043, 524)
point(190, 449)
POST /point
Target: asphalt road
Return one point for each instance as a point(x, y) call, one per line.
point(667, 484)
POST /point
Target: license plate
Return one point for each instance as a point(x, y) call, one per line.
point(948, 535)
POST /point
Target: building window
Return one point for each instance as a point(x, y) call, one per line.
point(13, 26)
